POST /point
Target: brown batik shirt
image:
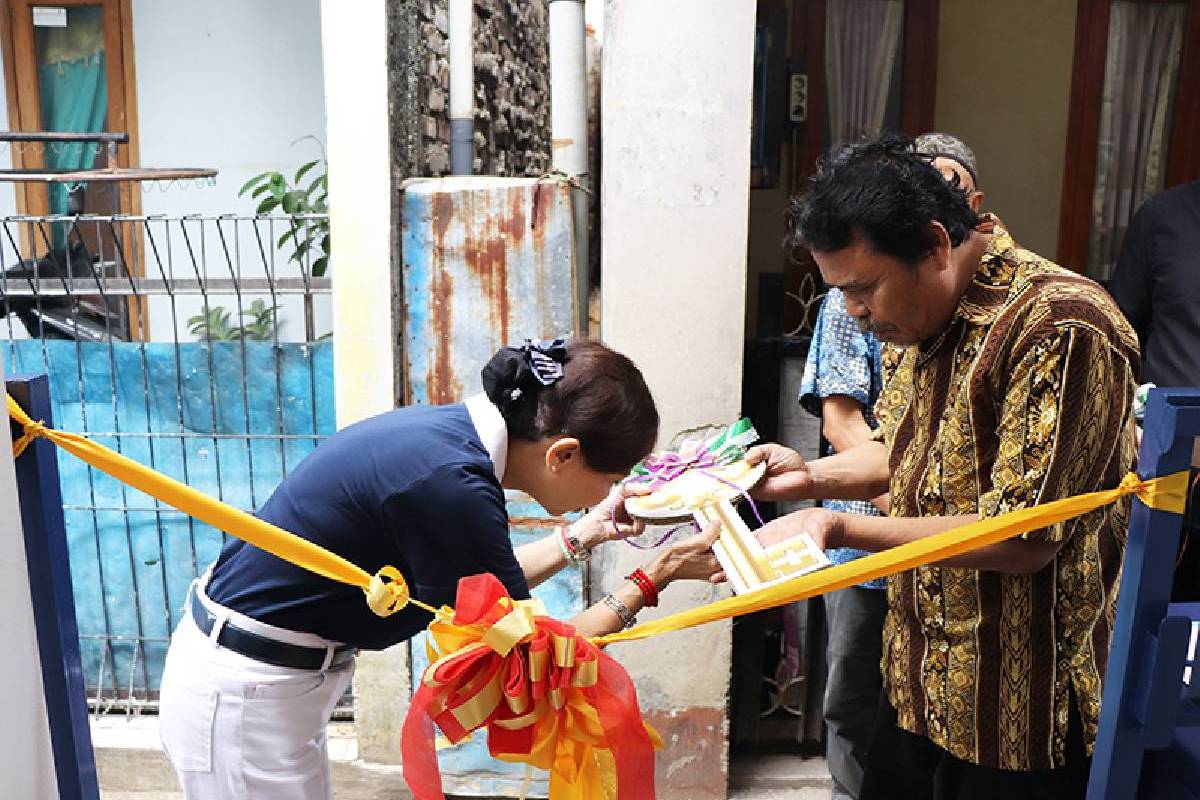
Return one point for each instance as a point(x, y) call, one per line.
point(1026, 397)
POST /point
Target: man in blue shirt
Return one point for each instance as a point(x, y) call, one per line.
point(841, 382)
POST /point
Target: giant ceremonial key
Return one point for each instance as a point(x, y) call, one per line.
point(702, 479)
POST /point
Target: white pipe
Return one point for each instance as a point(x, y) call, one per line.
point(462, 86)
point(568, 87)
point(569, 126)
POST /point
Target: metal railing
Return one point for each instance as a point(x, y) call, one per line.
point(197, 345)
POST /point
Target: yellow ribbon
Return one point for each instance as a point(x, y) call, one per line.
point(1168, 493)
point(386, 591)
point(569, 741)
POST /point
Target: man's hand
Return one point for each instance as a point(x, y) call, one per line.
point(787, 476)
point(824, 527)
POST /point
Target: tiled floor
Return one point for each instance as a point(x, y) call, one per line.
point(131, 767)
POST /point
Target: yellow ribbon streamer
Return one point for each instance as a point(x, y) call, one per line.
point(1168, 493)
point(386, 590)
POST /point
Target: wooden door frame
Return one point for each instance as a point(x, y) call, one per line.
point(1183, 162)
point(919, 78)
point(24, 114)
point(21, 90)
point(1083, 124)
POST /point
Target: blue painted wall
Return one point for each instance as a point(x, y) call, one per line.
point(135, 565)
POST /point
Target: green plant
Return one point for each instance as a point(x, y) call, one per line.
point(261, 326)
point(216, 323)
point(212, 324)
point(308, 237)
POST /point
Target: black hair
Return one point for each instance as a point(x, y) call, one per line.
point(884, 191)
point(601, 399)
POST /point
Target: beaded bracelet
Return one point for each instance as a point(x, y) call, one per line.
point(647, 587)
point(627, 617)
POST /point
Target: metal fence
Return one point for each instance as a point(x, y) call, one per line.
point(196, 345)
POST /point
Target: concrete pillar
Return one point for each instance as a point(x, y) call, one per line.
point(676, 106)
point(362, 223)
point(26, 760)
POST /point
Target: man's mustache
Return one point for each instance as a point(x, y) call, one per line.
point(875, 329)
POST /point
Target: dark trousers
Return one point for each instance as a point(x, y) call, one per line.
point(854, 618)
point(904, 766)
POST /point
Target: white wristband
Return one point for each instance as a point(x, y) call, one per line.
point(572, 549)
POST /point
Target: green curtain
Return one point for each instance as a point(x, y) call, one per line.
point(74, 94)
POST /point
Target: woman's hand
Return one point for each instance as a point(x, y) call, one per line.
point(787, 476)
point(596, 526)
point(688, 559)
point(823, 526)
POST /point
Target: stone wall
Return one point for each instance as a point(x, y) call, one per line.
point(512, 87)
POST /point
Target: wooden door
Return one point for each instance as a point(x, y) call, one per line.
point(20, 39)
point(1077, 217)
point(24, 39)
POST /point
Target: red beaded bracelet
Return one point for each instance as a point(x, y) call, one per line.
point(643, 582)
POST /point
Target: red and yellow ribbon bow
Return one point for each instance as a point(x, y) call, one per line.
point(546, 696)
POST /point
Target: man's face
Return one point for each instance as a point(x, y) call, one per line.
point(949, 168)
point(898, 302)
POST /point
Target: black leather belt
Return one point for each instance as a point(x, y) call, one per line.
point(265, 649)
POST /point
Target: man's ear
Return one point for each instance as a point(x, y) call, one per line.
point(975, 201)
point(942, 246)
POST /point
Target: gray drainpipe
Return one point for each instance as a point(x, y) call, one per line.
point(462, 87)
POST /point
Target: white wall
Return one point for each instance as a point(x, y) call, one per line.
point(26, 761)
point(227, 84)
point(364, 344)
point(676, 104)
point(1029, 78)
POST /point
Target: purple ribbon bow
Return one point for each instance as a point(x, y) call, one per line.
point(669, 466)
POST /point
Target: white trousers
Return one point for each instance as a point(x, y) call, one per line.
point(235, 728)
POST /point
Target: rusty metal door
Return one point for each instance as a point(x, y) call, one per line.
point(486, 262)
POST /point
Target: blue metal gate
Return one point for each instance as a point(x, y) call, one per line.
point(196, 352)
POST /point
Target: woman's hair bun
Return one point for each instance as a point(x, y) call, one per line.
point(515, 375)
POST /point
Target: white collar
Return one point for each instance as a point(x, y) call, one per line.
point(491, 428)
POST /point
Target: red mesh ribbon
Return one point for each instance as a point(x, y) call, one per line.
point(546, 696)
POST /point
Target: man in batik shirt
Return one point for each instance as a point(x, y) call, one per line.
point(1008, 382)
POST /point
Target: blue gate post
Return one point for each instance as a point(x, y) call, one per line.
point(1142, 684)
point(53, 599)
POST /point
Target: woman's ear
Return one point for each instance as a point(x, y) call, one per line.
point(562, 453)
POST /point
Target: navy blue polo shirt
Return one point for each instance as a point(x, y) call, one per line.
point(415, 488)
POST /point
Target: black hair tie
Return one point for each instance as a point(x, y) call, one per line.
point(517, 373)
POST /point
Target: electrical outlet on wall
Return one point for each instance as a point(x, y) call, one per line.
point(798, 97)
